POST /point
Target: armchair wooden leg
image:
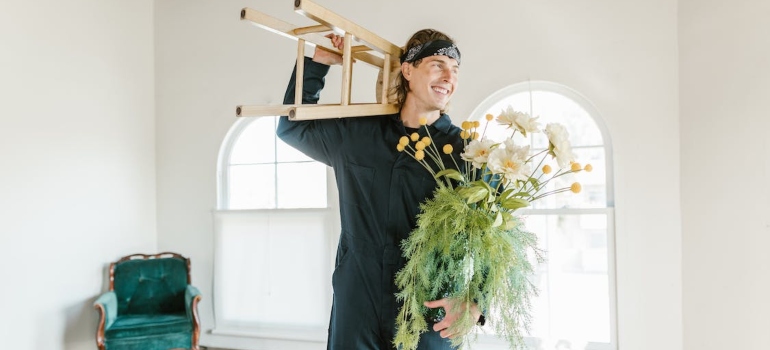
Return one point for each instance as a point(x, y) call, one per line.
point(196, 324)
point(100, 327)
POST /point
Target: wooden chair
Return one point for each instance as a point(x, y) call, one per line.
point(369, 48)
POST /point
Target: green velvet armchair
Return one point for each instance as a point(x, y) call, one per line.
point(151, 305)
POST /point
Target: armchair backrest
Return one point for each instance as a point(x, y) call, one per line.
point(150, 284)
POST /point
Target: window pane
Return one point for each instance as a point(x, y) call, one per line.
point(552, 107)
point(256, 143)
point(585, 138)
point(252, 186)
point(594, 193)
point(242, 250)
point(594, 188)
point(574, 296)
point(260, 278)
point(302, 185)
point(298, 288)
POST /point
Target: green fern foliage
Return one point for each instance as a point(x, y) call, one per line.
point(459, 251)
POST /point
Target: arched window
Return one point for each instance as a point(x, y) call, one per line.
point(576, 305)
point(270, 197)
point(259, 171)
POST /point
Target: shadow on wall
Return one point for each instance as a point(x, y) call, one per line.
point(80, 330)
point(81, 319)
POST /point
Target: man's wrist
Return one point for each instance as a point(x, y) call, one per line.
point(324, 56)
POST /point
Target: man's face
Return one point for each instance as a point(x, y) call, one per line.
point(432, 82)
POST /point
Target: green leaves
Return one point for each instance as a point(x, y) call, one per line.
point(498, 220)
point(474, 193)
point(463, 249)
point(514, 203)
point(451, 174)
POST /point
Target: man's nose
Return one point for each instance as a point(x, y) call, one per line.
point(448, 75)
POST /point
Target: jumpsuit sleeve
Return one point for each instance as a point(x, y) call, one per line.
point(318, 139)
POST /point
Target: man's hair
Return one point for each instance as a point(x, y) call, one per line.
point(400, 86)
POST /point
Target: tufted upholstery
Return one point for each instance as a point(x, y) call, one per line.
point(151, 305)
point(155, 286)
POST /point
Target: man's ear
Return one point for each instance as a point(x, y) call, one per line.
point(406, 70)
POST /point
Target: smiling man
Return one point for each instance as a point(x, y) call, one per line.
point(380, 189)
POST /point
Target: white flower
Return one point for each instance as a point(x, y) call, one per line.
point(518, 120)
point(559, 146)
point(478, 152)
point(510, 161)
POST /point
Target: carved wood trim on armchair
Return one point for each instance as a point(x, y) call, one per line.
point(100, 328)
point(196, 323)
point(146, 257)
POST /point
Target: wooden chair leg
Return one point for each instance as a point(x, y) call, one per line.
point(196, 324)
point(100, 327)
point(300, 72)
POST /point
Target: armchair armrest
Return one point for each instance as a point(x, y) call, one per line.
point(107, 305)
point(191, 298)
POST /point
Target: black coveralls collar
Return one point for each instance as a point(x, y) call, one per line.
point(442, 124)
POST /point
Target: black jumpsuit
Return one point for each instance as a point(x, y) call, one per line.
point(380, 190)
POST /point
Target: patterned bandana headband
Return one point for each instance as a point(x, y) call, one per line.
point(431, 48)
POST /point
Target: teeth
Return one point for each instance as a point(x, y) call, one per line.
point(440, 90)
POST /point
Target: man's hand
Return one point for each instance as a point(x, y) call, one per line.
point(327, 57)
point(451, 315)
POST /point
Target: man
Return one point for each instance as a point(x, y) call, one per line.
point(380, 189)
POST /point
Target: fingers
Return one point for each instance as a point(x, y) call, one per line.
point(445, 334)
point(440, 326)
point(337, 41)
point(443, 329)
point(436, 303)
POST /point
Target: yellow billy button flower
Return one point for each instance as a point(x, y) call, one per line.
point(403, 141)
point(465, 135)
point(588, 168)
point(423, 120)
point(415, 136)
point(400, 147)
point(426, 141)
point(476, 124)
point(489, 117)
point(419, 146)
point(575, 188)
point(547, 169)
point(447, 149)
point(466, 125)
point(475, 135)
point(419, 155)
point(576, 167)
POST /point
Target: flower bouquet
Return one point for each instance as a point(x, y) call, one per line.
point(469, 245)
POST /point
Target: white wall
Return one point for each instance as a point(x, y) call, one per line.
point(725, 106)
point(621, 55)
point(77, 147)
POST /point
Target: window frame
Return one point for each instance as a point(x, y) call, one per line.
point(223, 169)
point(223, 161)
point(255, 331)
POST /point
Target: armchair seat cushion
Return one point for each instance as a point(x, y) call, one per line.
point(129, 326)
